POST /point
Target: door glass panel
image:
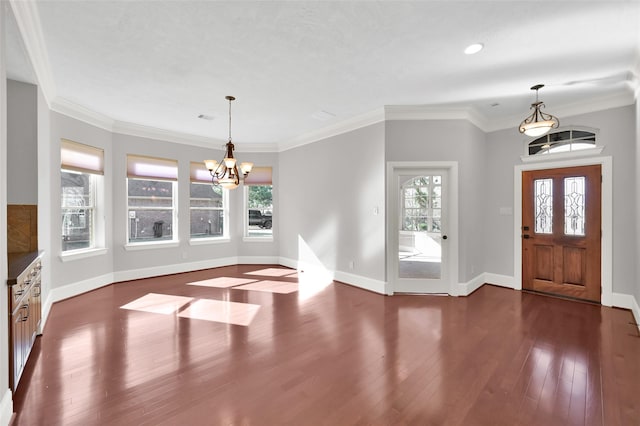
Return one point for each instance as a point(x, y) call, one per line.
point(543, 206)
point(420, 238)
point(574, 192)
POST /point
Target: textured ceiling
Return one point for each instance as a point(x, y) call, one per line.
point(163, 63)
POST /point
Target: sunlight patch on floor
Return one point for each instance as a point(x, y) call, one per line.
point(222, 282)
point(158, 303)
point(272, 272)
point(271, 287)
point(221, 311)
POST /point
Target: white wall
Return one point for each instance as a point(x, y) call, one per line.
point(617, 134)
point(450, 140)
point(328, 193)
point(22, 144)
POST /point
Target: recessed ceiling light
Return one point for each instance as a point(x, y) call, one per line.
point(473, 48)
point(205, 117)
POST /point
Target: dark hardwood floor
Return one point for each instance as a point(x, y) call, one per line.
point(336, 355)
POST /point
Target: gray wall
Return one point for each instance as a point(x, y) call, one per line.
point(184, 253)
point(22, 143)
point(450, 140)
point(117, 259)
point(328, 192)
point(617, 134)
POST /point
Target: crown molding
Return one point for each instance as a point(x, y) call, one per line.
point(350, 124)
point(80, 113)
point(28, 20)
point(568, 110)
point(255, 147)
point(425, 112)
point(142, 131)
point(138, 130)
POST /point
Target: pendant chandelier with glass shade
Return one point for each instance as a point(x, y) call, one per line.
point(225, 173)
point(538, 123)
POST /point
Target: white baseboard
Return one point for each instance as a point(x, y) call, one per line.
point(465, 289)
point(499, 280)
point(155, 271)
point(359, 281)
point(6, 408)
point(289, 263)
point(258, 260)
point(365, 283)
point(71, 290)
point(627, 301)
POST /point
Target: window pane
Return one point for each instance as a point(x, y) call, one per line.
point(260, 210)
point(151, 210)
point(150, 193)
point(543, 205)
point(206, 223)
point(150, 225)
point(207, 211)
point(150, 188)
point(206, 195)
point(422, 201)
point(574, 195)
point(77, 210)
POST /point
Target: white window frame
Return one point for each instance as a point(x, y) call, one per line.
point(245, 209)
point(86, 160)
point(174, 241)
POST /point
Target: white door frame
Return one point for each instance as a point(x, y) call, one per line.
point(606, 260)
point(452, 217)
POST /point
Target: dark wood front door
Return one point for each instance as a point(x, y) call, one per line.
point(561, 231)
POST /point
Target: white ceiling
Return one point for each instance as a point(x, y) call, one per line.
point(162, 63)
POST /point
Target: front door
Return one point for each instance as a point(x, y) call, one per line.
point(561, 231)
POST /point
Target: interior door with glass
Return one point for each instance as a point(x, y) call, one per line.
point(422, 253)
point(561, 231)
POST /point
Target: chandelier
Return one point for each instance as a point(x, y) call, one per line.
point(225, 173)
point(538, 123)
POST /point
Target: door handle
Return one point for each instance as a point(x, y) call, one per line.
point(444, 237)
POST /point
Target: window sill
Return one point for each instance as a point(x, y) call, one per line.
point(562, 155)
point(205, 241)
point(150, 246)
point(82, 254)
point(257, 239)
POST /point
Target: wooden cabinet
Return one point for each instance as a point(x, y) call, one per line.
point(25, 310)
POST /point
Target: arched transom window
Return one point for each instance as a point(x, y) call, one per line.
point(563, 141)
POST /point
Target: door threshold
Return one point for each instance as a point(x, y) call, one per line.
point(561, 296)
